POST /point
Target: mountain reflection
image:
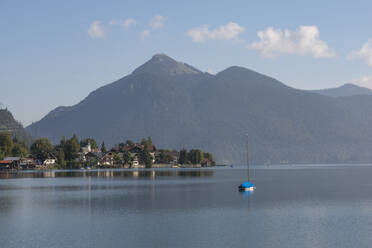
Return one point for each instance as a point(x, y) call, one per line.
point(108, 173)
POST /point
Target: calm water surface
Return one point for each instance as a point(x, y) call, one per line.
point(293, 206)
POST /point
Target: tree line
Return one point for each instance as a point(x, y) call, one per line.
point(12, 146)
point(67, 151)
point(194, 156)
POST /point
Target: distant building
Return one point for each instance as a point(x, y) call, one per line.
point(135, 163)
point(206, 163)
point(108, 159)
point(86, 149)
point(49, 161)
point(15, 161)
point(5, 164)
point(28, 163)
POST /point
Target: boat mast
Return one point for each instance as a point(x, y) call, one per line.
point(249, 176)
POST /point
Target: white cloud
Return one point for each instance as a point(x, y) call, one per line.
point(144, 34)
point(364, 53)
point(96, 31)
point(365, 81)
point(157, 21)
point(304, 41)
point(229, 31)
point(126, 24)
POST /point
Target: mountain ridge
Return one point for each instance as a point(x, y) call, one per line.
point(345, 90)
point(10, 125)
point(183, 109)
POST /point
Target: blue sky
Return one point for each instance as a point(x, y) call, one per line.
point(54, 53)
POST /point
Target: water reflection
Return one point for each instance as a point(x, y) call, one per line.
point(164, 208)
point(109, 173)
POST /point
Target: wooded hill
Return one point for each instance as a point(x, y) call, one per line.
point(181, 107)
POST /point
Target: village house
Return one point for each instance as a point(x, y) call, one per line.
point(15, 162)
point(86, 149)
point(5, 164)
point(27, 163)
point(49, 161)
point(135, 163)
point(107, 159)
point(206, 163)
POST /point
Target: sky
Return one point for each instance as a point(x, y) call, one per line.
point(54, 53)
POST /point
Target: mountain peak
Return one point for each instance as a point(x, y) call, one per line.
point(160, 56)
point(348, 89)
point(163, 64)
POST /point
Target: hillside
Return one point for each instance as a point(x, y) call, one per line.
point(345, 90)
point(9, 124)
point(180, 106)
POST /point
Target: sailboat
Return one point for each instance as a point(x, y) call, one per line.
point(248, 185)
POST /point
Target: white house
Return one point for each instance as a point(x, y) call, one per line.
point(135, 163)
point(49, 161)
point(86, 149)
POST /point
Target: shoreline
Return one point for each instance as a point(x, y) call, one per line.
point(141, 167)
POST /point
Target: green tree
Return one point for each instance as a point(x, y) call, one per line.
point(61, 158)
point(145, 157)
point(19, 149)
point(208, 156)
point(118, 159)
point(183, 156)
point(130, 142)
point(41, 148)
point(6, 144)
point(63, 141)
point(195, 156)
point(127, 158)
point(164, 158)
point(161, 157)
point(144, 142)
point(71, 149)
point(149, 141)
point(103, 147)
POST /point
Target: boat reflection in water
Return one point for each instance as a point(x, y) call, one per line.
point(246, 193)
point(141, 173)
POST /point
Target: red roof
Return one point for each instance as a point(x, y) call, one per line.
point(5, 161)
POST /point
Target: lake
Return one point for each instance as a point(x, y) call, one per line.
point(293, 206)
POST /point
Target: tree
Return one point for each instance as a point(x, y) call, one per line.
point(103, 147)
point(127, 158)
point(149, 141)
point(6, 144)
point(63, 141)
point(118, 159)
point(195, 156)
point(130, 142)
point(164, 158)
point(145, 157)
point(71, 149)
point(144, 142)
point(161, 157)
point(19, 150)
point(42, 148)
point(208, 156)
point(183, 156)
point(61, 158)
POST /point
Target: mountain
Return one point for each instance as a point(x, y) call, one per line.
point(345, 90)
point(9, 124)
point(180, 106)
